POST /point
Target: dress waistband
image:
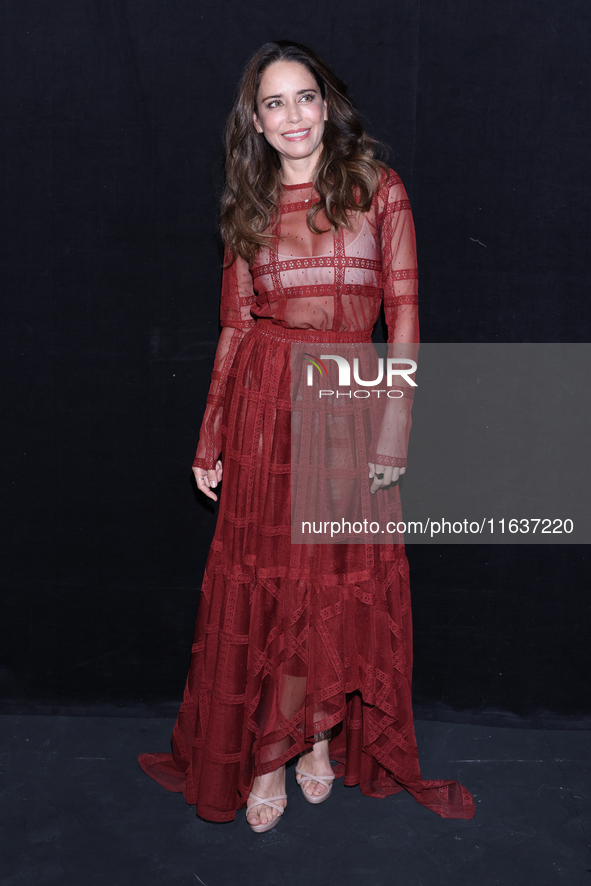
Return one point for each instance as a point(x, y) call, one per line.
point(264, 326)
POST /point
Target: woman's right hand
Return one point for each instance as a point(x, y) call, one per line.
point(208, 480)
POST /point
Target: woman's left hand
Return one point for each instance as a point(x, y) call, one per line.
point(388, 475)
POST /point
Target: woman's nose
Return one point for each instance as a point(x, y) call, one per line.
point(293, 112)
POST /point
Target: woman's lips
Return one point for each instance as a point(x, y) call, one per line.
point(297, 135)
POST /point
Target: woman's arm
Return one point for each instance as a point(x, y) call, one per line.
point(400, 282)
point(237, 297)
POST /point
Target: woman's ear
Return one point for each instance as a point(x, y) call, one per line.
point(325, 103)
point(257, 125)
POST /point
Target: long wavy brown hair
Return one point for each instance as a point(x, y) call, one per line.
point(346, 177)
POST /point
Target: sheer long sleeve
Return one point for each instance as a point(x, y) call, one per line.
point(235, 317)
point(400, 283)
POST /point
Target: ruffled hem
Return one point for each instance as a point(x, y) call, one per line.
point(378, 776)
point(276, 661)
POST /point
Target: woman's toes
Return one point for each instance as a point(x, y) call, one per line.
point(313, 788)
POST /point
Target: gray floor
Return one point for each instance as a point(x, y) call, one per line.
point(76, 809)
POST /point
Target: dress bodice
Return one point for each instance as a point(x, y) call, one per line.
point(333, 281)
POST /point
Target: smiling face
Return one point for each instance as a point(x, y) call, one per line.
point(291, 114)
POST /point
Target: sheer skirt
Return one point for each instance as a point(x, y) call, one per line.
point(292, 640)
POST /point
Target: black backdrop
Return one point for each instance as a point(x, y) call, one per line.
point(111, 119)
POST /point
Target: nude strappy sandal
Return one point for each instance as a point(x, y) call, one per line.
point(326, 780)
point(268, 801)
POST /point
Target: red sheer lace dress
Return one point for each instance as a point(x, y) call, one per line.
point(294, 639)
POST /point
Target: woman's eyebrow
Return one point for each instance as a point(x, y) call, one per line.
point(280, 94)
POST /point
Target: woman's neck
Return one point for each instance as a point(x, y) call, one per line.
point(296, 172)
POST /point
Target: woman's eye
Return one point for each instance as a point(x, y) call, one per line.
point(309, 96)
point(274, 103)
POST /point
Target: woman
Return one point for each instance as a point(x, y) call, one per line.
point(299, 645)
